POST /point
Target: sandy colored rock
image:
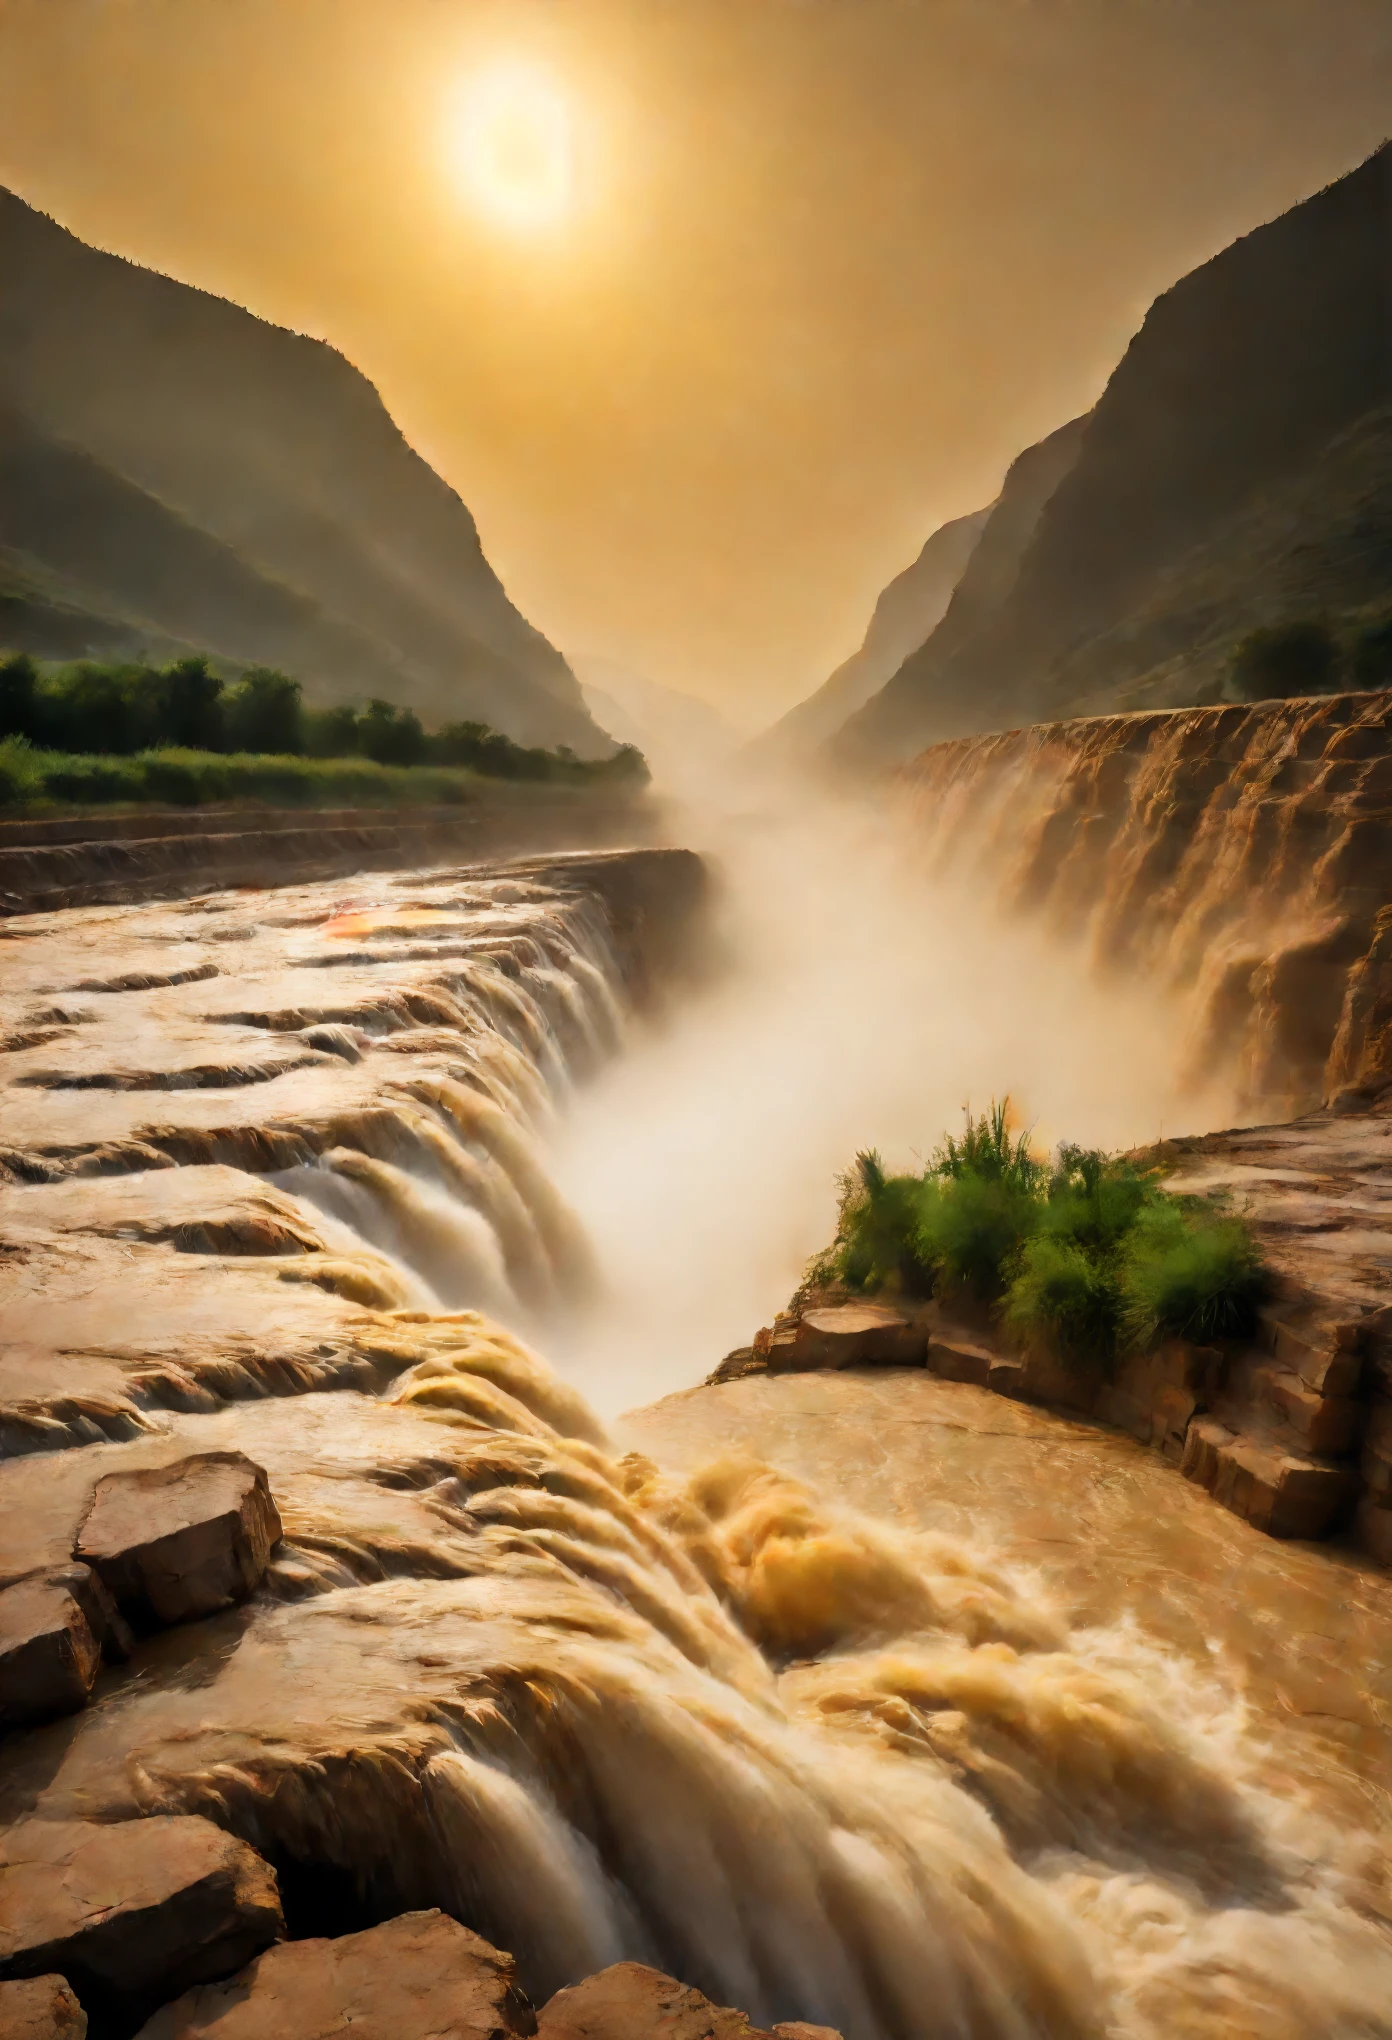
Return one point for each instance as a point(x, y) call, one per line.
point(419, 1977)
point(175, 1542)
point(49, 1658)
point(798, 2029)
point(954, 1357)
point(1281, 1492)
point(41, 2008)
point(631, 2002)
point(856, 1335)
point(132, 1913)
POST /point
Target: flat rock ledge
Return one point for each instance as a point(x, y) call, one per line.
point(421, 1976)
point(1278, 1433)
point(628, 2001)
point(169, 1929)
point(160, 1545)
point(132, 1913)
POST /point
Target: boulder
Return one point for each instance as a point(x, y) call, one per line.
point(175, 1542)
point(41, 2008)
point(1284, 1493)
point(419, 1977)
point(49, 1658)
point(631, 2002)
point(104, 1618)
point(849, 1335)
point(131, 1913)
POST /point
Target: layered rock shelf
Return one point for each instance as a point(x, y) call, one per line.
point(1238, 857)
point(1293, 1433)
point(46, 865)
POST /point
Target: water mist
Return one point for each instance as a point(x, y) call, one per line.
point(855, 1004)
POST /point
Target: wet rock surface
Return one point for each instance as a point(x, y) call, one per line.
point(628, 2001)
point(421, 1976)
point(1236, 855)
point(133, 1912)
point(1293, 1433)
point(592, 1707)
point(49, 1656)
point(41, 2008)
point(174, 1542)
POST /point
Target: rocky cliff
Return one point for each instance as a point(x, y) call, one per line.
point(1237, 470)
point(906, 614)
point(1240, 856)
point(174, 471)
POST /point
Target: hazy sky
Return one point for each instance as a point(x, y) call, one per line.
point(822, 266)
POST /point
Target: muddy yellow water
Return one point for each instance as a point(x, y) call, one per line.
point(871, 1700)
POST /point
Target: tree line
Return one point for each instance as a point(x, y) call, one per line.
point(111, 710)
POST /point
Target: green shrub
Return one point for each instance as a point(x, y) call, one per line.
point(1066, 1296)
point(19, 685)
point(1372, 656)
point(90, 710)
point(20, 776)
point(1093, 1199)
point(971, 1229)
point(264, 714)
point(91, 781)
point(1280, 659)
point(391, 735)
point(877, 1230)
point(1189, 1273)
point(987, 1151)
point(1090, 1258)
point(332, 732)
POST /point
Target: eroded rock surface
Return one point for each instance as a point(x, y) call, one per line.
point(629, 2001)
point(132, 1912)
point(41, 2008)
point(48, 1655)
point(174, 1542)
point(1293, 1432)
point(421, 1976)
point(1238, 856)
point(593, 1709)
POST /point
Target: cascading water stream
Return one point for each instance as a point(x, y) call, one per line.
point(822, 1766)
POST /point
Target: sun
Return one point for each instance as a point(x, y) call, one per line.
point(515, 147)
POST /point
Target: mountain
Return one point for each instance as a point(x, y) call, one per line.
point(177, 472)
point(906, 613)
point(1237, 469)
point(675, 732)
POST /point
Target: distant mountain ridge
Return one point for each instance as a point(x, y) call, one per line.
point(908, 610)
point(1237, 470)
point(175, 471)
point(681, 736)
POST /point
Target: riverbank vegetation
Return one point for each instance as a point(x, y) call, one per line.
point(1306, 655)
point(1086, 1254)
point(96, 734)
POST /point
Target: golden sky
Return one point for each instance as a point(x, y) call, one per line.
point(819, 267)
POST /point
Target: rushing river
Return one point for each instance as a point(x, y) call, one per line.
point(873, 1701)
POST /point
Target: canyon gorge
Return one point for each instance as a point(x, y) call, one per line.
point(471, 1564)
point(868, 1697)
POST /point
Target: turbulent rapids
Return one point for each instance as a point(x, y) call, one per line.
point(277, 1179)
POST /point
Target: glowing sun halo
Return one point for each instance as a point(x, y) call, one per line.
point(515, 147)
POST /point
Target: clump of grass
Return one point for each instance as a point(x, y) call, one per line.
point(876, 1241)
point(1089, 1257)
point(1068, 1296)
point(20, 779)
point(1189, 1273)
